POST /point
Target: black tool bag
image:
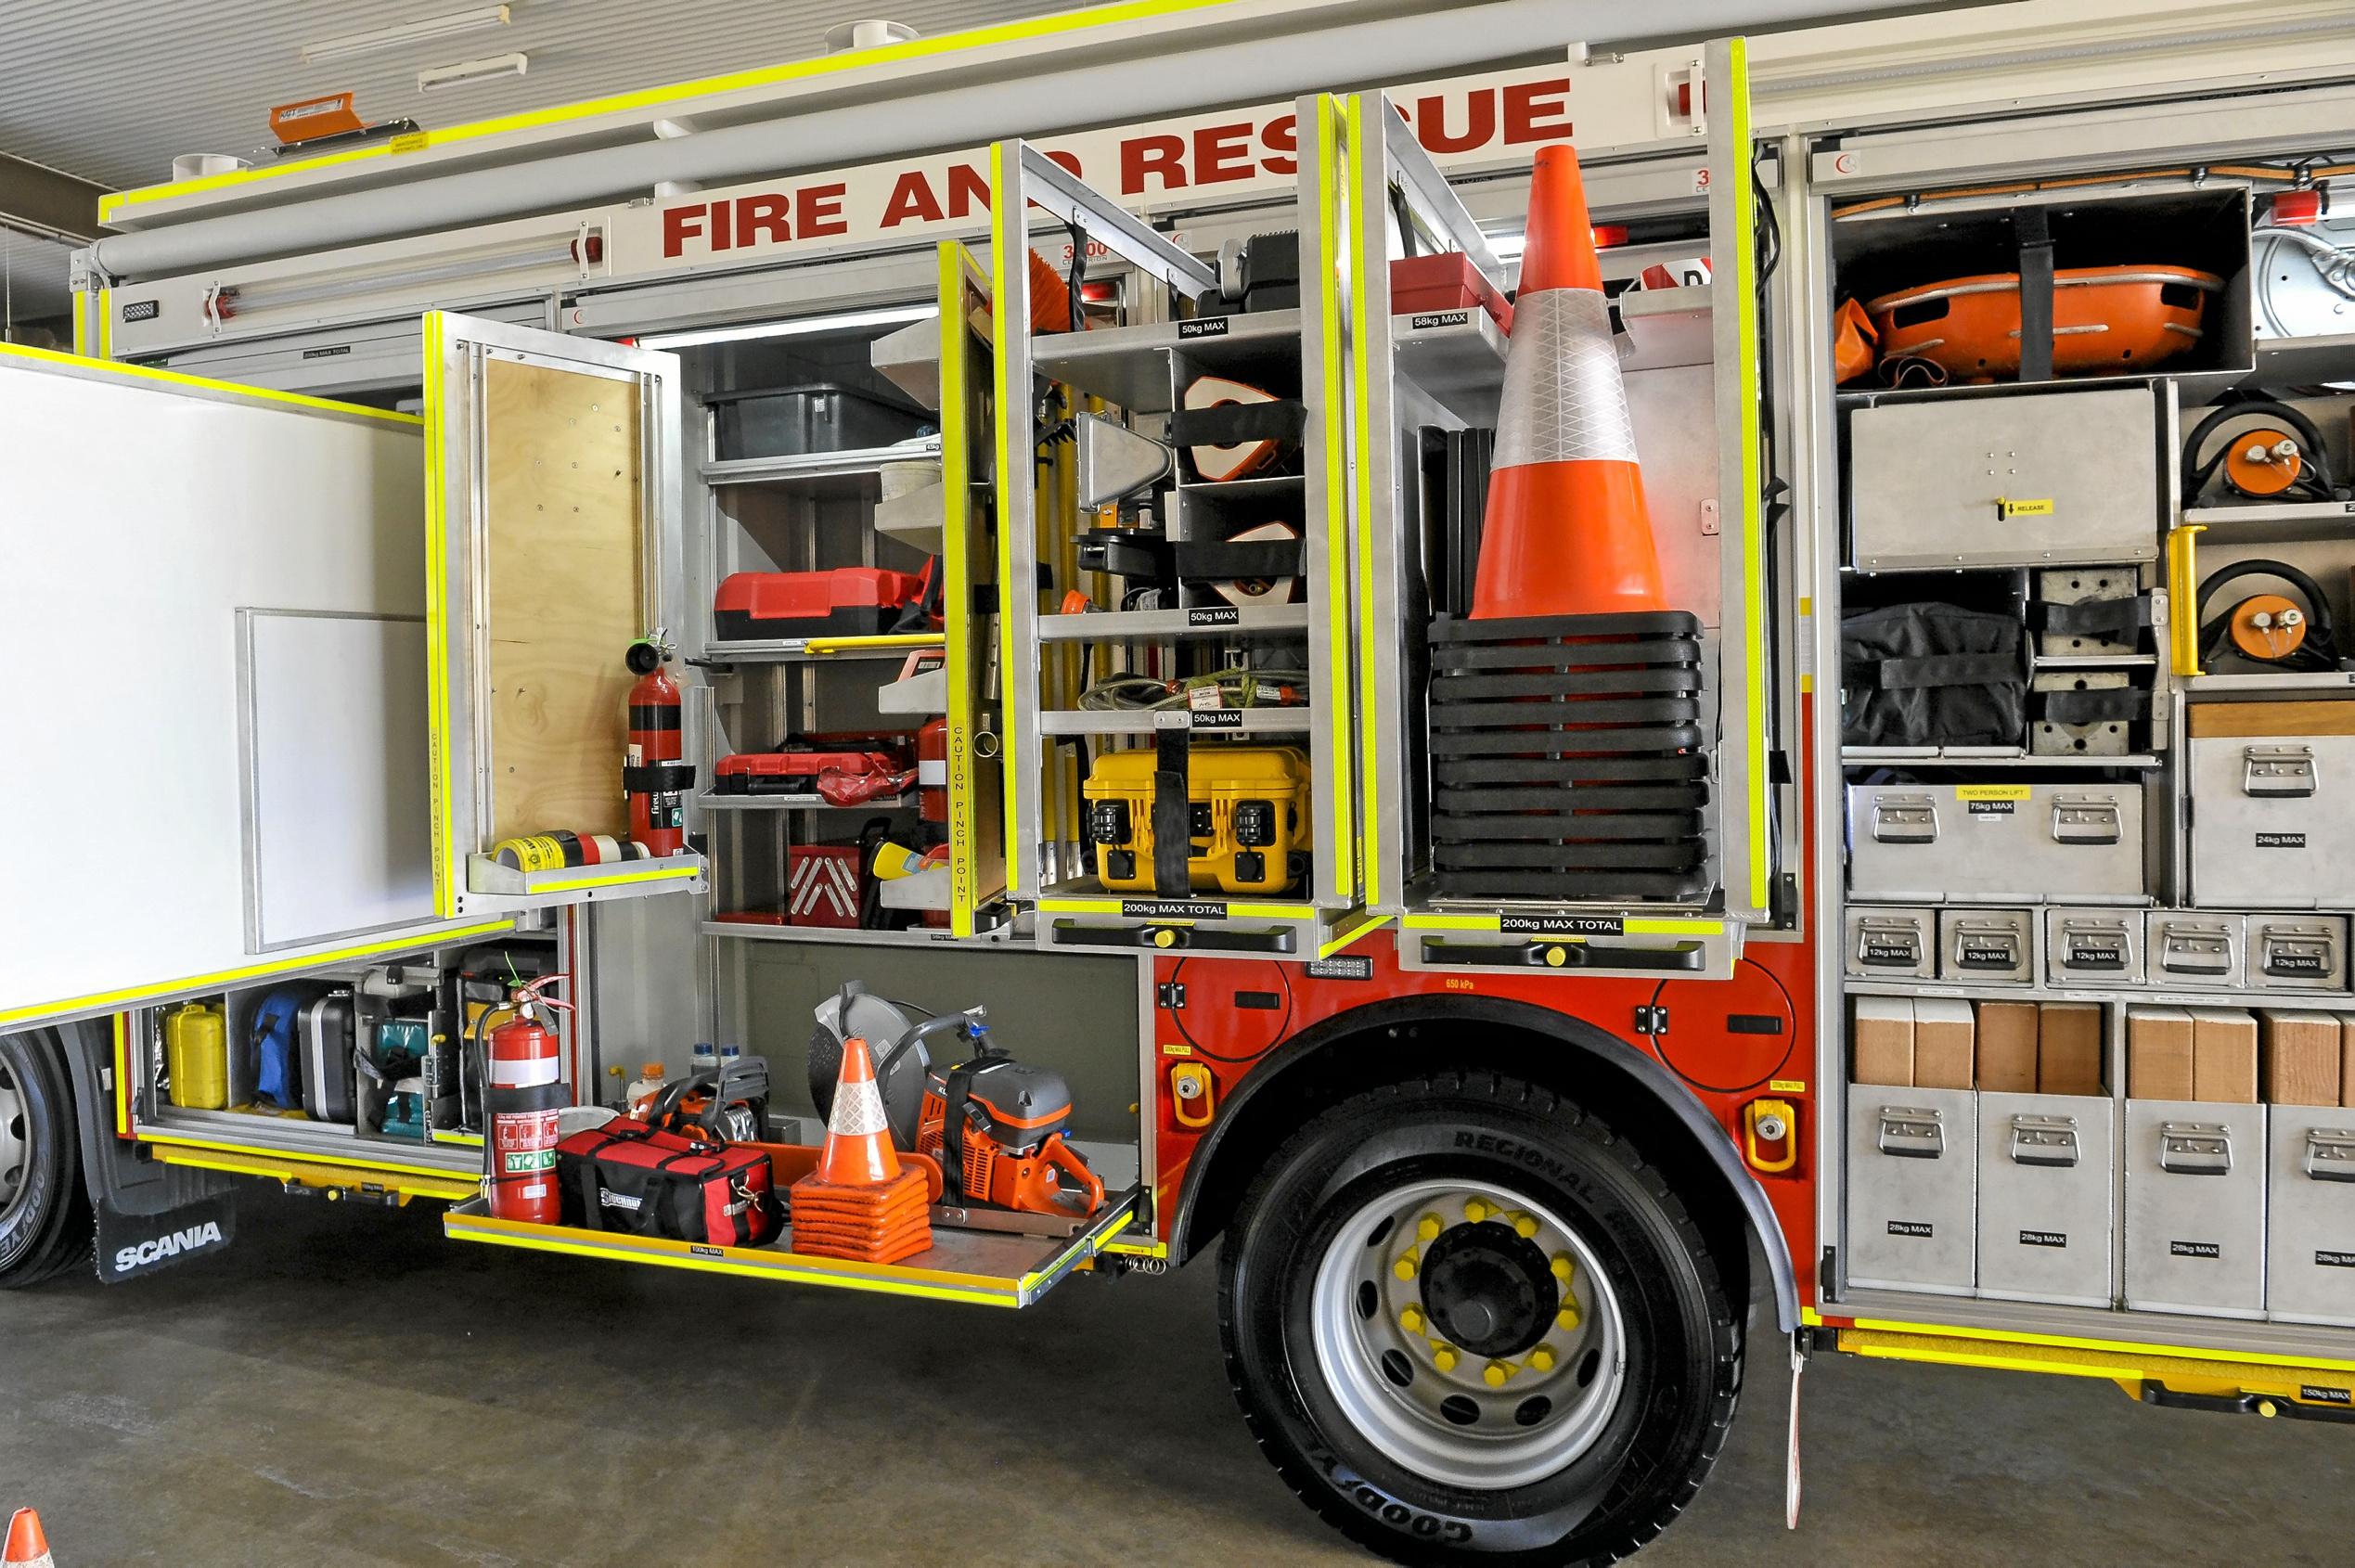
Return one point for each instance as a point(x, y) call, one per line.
point(1932, 675)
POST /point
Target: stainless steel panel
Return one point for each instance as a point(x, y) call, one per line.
point(2196, 949)
point(2274, 822)
point(1987, 945)
point(2196, 1208)
point(2045, 1187)
point(1891, 943)
point(2038, 479)
point(2310, 1272)
point(2061, 843)
point(1912, 1181)
point(2298, 952)
point(2093, 947)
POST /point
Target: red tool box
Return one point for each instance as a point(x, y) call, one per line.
point(846, 771)
point(1448, 281)
point(849, 601)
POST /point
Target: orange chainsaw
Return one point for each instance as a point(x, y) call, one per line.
point(995, 1125)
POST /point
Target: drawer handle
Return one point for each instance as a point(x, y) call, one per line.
point(1910, 819)
point(2195, 1148)
point(2082, 821)
point(1887, 944)
point(2278, 772)
point(2330, 1153)
point(1912, 1133)
point(2288, 956)
point(2195, 952)
point(2044, 1140)
point(2093, 949)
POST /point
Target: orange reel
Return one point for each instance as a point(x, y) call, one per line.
point(2268, 627)
point(2263, 462)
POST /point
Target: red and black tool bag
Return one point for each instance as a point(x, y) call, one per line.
point(628, 1177)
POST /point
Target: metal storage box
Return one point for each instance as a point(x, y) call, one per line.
point(2298, 952)
point(1912, 1188)
point(2310, 1275)
point(1891, 943)
point(2195, 1207)
point(1987, 945)
point(2093, 947)
point(798, 421)
point(2272, 813)
point(1972, 843)
point(2038, 479)
point(2045, 1167)
point(2194, 949)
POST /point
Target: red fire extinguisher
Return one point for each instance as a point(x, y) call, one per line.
point(652, 776)
point(522, 1097)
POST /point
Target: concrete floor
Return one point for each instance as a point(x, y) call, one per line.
point(345, 1388)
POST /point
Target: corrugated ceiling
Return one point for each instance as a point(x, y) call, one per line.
point(112, 93)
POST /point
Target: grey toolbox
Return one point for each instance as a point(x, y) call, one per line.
point(1892, 943)
point(2035, 479)
point(2186, 947)
point(1990, 843)
point(2195, 1207)
point(1987, 945)
point(1912, 1188)
point(2298, 952)
point(2272, 804)
point(2310, 1219)
point(2093, 947)
point(326, 1032)
point(2045, 1186)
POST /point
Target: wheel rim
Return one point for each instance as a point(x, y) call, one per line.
point(16, 1147)
point(1469, 1333)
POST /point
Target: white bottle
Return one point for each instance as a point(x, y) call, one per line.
point(706, 1058)
point(641, 1096)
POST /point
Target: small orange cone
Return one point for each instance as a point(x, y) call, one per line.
point(28, 1545)
point(1567, 532)
point(860, 1202)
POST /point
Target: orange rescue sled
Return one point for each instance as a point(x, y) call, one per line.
point(2105, 320)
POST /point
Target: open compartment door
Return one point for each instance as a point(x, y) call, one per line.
point(969, 558)
point(552, 544)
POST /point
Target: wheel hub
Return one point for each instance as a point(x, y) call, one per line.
point(1488, 1288)
point(15, 1145)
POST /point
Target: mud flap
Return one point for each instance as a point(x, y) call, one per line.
point(132, 1246)
point(149, 1213)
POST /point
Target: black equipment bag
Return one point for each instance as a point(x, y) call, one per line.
point(1932, 675)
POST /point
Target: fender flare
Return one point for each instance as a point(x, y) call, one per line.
point(1577, 1034)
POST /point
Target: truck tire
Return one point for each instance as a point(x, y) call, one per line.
point(1469, 1324)
point(45, 1226)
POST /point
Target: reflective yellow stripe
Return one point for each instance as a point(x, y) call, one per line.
point(133, 995)
point(1350, 932)
point(1009, 234)
point(315, 1170)
point(123, 1074)
point(852, 645)
point(2124, 1364)
point(1745, 304)
point(1334, 680)
point(106, 324)
point(1038, 1277)
point(957, 512)
point(1361, 335)
point(656, 97)
point(81, 322)
point(438, 650)
point(573, 884)
point(201, 383)
point(2066, 1341)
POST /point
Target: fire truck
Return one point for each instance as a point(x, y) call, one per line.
point(1045, 467)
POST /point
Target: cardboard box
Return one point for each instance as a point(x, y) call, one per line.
point(2159, 1053)
point(2223, 1056)
point(2068, 1047)
point(2007, 1047)
point(1884, 1041)
point(1943, 1032)
point(2300, 1054)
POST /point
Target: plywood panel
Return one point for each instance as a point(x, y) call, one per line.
point(563, 477)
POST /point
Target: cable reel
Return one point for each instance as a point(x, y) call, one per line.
point(2270, 628)
point(2277, 456)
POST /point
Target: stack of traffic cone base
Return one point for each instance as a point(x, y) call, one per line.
point(1566, 712)
point(28, 1546)
point(860, 1202)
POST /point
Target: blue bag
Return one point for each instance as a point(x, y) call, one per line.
point(277, 1050)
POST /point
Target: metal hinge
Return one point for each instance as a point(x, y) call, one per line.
point(1171, 995)
point(1653, 1020)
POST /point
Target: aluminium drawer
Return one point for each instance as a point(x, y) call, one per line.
point(2272, 819)
point(2195, 948)
point(2310, 1271)
point(2195, 1207)
point(1987, 945)
point(2093, 947)
point(1891, 943)
point(2298, 952)
point(1912, 1188)
point(1992, 843)
point(2042, 478)
point(2045, 1189)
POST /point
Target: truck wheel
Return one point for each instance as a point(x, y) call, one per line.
point(1469, 1324)
point(44, 1214)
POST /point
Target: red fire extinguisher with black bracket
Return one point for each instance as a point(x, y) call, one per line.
point(522, 1092)
point(653, 777)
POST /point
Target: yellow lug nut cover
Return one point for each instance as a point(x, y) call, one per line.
point(1567, 1317)
point(1561, 1266)
point(1410, 1319)
point(1475, 1210)
point(1444, 1358)
point(1427, 1229)
point(1542, 1358)
point(1404, 1267)
point(1523, 1227)
point(1496, 1373)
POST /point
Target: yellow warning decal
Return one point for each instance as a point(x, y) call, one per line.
point(1177, 1050)
point(1990, 791)
point(1787, 1086)
point(2026, 508)
point(412, 141)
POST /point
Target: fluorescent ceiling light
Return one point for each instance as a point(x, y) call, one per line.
point(435, 77)
point(403, 33)
point(884, 317)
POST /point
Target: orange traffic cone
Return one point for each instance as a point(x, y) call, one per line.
point(860, 1202)
point(1567, 532)
point(28, 1545)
